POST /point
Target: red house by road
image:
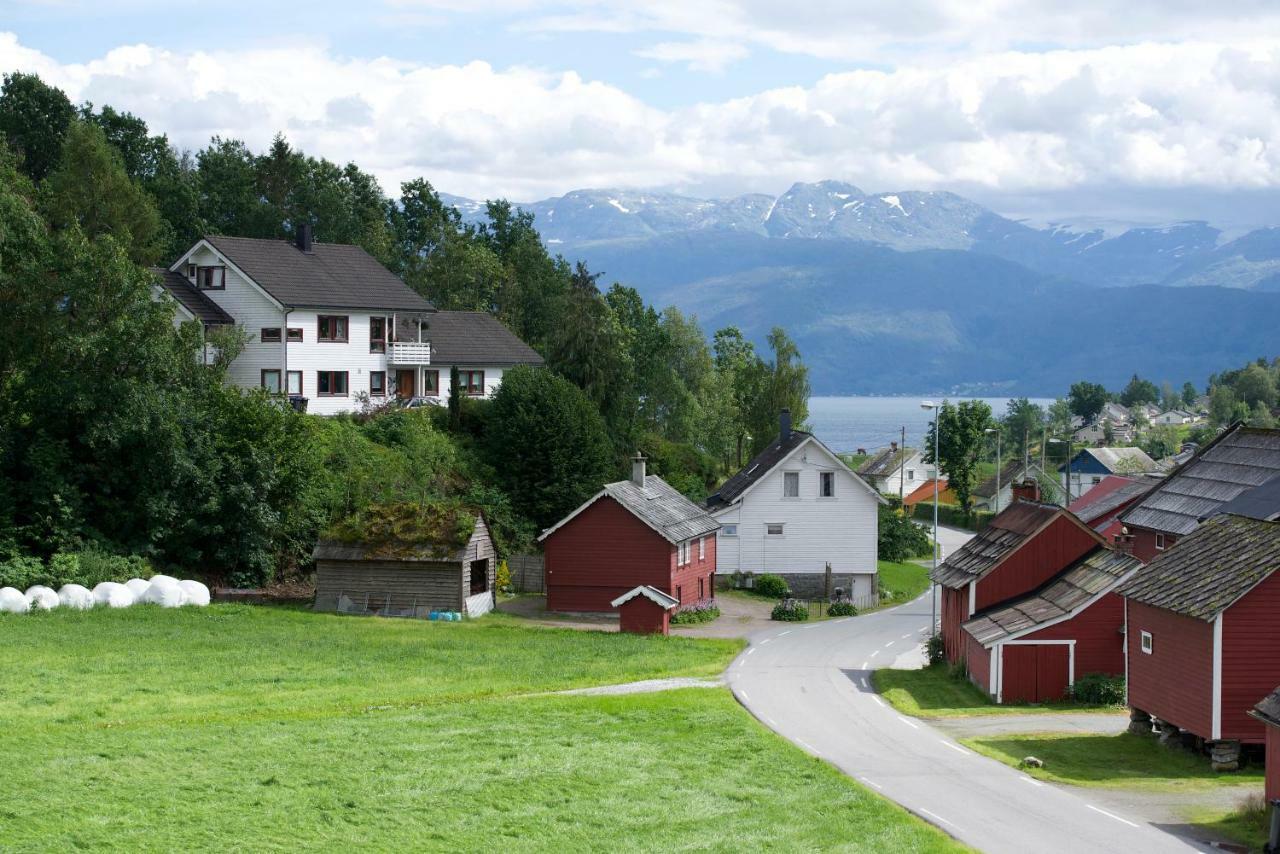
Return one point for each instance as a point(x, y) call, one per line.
point(1203, 629)
point(1022, 549)
point(637, 532)
point(1033, 648)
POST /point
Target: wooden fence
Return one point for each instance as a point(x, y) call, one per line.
point(527, 573)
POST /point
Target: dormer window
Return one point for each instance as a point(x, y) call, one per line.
point(211, 278)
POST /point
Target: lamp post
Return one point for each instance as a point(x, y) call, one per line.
point(1066, 468)
point(997, 431)
point(933, 587)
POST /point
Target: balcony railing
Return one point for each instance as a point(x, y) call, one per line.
point(409, 353)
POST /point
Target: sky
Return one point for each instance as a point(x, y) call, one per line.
point(1095, 110)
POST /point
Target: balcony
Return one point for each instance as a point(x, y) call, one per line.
point(409, 352)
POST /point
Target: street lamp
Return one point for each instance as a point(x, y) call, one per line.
point(997, 431)
point(1066, 469)
point(937, 485)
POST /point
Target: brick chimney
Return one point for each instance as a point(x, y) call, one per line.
point(637, 470)
point(784, 425)
point(893, 446)
point(1027, 490)
point(1124, 542)
point(303, 237)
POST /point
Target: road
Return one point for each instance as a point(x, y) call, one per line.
point(811, 684)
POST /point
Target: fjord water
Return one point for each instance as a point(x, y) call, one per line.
point(846, 424)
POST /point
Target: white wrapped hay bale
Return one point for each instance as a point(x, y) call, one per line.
point(75, 596)
point(194, 593)
point(163, 591)
point(12, 601)
point(137, 586)
point(112, 595)
point(41, 597)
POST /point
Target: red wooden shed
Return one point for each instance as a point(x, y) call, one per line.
point(1022, 549)
point(1268, 712)
point(1032, 649)
point(645, 610)
point(637, 532)
point(1203, 631)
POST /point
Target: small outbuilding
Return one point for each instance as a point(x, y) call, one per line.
point(1268, 712)
point(407, 560)
point(645, 610)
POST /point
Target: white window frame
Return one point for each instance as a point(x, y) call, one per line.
point(730, 530)
point(1159, 542)
point(911, 474)
point(1145, 642)
point(781, 526)
point(823, 476)
point(702, 548)
point(786, 478)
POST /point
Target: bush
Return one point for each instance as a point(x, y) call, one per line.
point(935, 650)
point(771, 585)
point(958, 671)
point(949, 514)
point(842, 609)
point(89, 568)
point(1099, 689)
point(699, 612)
point(504, 577)
point(22, 572)
point(900, 539)
point(790, 612)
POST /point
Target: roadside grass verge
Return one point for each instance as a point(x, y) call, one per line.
point(1249, 825)
point(903, 581)
point(932, 692)
point(273, 729)
point(1111, 761)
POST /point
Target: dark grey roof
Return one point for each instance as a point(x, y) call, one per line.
point(468, 338)
point(886, 462)
point(662, 508)
point(1105, 506)
point(987, 489)
point(1268, 708)
point(1208, 570)
point(760, 465)
point(332, 275)
point(1096, 573)
point(1237, 460)
point(1261, 502)
point(1006, 532)
point(193, 300)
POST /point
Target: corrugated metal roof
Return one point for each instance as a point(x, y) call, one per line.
point(1003, 535)
point(1205, 572)
point(1096, 573)
point(1268, 708)
point(1121, 460)
point(885, 462)
point(1237, 460)
point(664, 509)
point(193, 300)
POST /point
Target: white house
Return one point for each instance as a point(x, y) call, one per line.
point(985, 495)
point(1175, 417)
point(794, 509)
point(896, 471)
point(327, 323)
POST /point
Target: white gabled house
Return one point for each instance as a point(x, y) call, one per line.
point(793, 509)
point(896, 471)
point(326, 322)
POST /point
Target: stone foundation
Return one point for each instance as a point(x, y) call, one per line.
point(1225, 755)
point(1139, 722)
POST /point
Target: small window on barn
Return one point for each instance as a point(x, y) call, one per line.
point(773, 529)
point(702, 548)
point(1146, 642)
point(729, 531)
point(827, 484)
point(791, 484)
point(1159, 542)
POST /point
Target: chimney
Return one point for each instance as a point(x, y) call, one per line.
point(303, 236)
point(637, 469)
point(1027, 490)
point(862, 452)
point(1124, 542)
point(784, 425)
point(893, 446)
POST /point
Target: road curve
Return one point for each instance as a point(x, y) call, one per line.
point(811, 683)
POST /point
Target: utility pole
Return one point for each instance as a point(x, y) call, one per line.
point(902, 474)
point(998, 432)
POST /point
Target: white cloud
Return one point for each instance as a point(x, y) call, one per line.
point(1114, 120)
point(709, 55)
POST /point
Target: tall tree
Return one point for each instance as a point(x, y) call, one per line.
point(960, 443)
point(1087, 400)
point(1022, 424)
point(34, 119)
point(1189, 394)
point(1139, 391)
point(784, 384)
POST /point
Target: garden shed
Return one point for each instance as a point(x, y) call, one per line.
point(407, 560)
point(645, 610)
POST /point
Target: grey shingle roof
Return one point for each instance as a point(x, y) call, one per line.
point(1103, 507)
point(468, 338)
point(1208, 570)
point(1237, 460)
point(885, 463)
point(760, 465)
point(1268, 708)
point(1097, 572)
point(193, 300)
point(664, 509)
point(987, 489)
point(1003, 535)
point(333, 275)
point(1260, 502)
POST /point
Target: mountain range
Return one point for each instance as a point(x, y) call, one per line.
point(915, 291)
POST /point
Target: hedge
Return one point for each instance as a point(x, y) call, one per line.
point(949, 514)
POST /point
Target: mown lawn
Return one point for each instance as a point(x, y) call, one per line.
point(1112, 761)
point(934, 692)
point(1249, 825)
point(904, 581)
point(254, 728)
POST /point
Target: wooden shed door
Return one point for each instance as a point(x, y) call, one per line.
point(404, 383)
point(1035, 673)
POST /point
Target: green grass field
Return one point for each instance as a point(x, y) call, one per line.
point(1112, 761)
point(905, 581)
point(933, 693)
point(256, 728)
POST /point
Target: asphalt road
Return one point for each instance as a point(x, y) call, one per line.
point(811, 684)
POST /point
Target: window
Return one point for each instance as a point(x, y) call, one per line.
point(702, 549)
point(377, 335)
point(1160, 542)
point(1146, 642)
point(1096, 480)
point(791, 484)
point(211, 278)
point(827, 484)
point(331, 383)
point(331, 328)
point(773, 529)
point(269, 335)
point(377, 383)
point(295, 334)
point(911, 474)
point(729, 531)
point(472, 382)
point(430, 382)
point(702, 590)
point(679, 596)
point(271, 380)
point(295, 382)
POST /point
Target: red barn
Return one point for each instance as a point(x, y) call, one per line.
point(1203, 629)
point(1032, 649)
point(633, 533)
point(1268, 711)
point(1022, 549)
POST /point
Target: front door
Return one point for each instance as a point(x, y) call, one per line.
point(404, 383)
